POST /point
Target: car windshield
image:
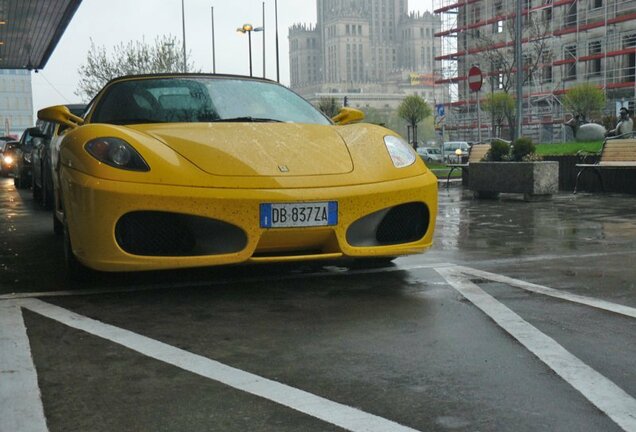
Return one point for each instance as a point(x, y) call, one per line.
point(202, 99)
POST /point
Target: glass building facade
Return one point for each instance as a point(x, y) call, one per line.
point(16, 101)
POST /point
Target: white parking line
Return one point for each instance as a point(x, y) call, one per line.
point(540, 289)
point(551, 257)
point(214, 282)
point(603, 393)
point(346, 417)
point(20, 404)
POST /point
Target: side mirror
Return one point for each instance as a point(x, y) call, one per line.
point(347, 115)
point(35, 132)
point(60, 114)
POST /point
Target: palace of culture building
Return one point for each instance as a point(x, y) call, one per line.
point(373, 51)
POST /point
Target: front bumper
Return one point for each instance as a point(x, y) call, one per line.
point(94, 207)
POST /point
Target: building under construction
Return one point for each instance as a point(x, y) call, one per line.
point(564, 43)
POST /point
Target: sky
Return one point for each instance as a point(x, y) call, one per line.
point(109, 22)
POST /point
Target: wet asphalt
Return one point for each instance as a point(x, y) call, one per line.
point(397, 342)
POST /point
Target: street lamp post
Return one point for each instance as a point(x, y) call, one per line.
point(185, 58)
point(276, 24)
point(213, 48)
point(249, 28)
point(263, 39)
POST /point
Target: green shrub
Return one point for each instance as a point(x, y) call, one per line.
point(521, 148)
point(499, 151)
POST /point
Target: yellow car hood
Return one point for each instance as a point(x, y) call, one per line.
point(256, 149)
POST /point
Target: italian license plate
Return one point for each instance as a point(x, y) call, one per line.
point(306, 214)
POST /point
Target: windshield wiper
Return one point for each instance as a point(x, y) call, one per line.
point(247, 120)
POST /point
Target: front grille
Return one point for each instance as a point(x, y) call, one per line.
point(154, 233)
point(403, 223)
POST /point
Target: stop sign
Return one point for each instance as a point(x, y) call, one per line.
point(475, 79)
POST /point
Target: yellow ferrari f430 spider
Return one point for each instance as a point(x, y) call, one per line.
point(186, 170)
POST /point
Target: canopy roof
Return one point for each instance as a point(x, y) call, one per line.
point(30, 30)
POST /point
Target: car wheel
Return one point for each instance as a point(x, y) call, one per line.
point(58, 227)
point(37, 192)
point(75, 270)
point(45, 193)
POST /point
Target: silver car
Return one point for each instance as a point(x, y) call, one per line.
point(430, 154)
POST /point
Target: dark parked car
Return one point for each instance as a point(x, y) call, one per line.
point(7, 162)
point(41, 159)
point(4, 140)
point(22, 172)
point(3, 143)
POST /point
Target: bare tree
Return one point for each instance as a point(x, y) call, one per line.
point(500, 54)
point(500, 58)
point(133, 57)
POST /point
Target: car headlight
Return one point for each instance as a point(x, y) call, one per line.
point(401, 153)
point(8, 160)
point(116, 153)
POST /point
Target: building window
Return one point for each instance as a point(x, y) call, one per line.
point(629, 41)
point(571, 14)
point(497, 77)
point(594, 65)
point(569, 72)
point(596, 4)
point(547, 66)
point(498, 27)
point(547, 15)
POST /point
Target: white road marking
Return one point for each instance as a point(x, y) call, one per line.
point(346, 417)
point(20, 404)
point(552, 257)
point(603, 393)
point(540, 289)
point(213, 282)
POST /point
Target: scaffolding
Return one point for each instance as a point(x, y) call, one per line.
point(565, 42)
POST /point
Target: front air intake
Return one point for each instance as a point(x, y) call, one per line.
point(155, 233)
point(404, 223)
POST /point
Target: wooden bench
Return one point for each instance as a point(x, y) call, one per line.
point(617, 153)
point(475, 154)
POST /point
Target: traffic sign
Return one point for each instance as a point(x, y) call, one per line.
point(475, 79)
point(440, 110)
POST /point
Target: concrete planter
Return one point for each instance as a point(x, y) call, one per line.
point(536, 180)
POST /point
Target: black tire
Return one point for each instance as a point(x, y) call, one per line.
point(37, 193)
point(58, 227)
point(21, 182)
point(75, 270)
point(46, 198)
